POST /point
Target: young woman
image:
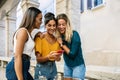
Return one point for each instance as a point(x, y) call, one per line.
point(74, 66)
point(46, 50)
point(18, 67)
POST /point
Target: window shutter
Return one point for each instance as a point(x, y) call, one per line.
point(89, 4)
point(82, 5)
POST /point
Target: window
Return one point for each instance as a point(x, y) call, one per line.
point(92, 4)
point(97, 2)
point(81, 6)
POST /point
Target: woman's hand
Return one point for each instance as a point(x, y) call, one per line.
point(39, 34)
point(60, 40)
point(58, 58)
point(53, 55)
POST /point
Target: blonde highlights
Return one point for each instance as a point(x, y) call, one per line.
point(69, 31)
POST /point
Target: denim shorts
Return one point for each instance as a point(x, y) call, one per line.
point(10, 70)
point(47, 70)
point(77, 72)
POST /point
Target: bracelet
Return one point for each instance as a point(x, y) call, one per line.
point(61, 45)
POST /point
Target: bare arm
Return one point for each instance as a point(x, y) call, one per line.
point(74, 46)
point(41, 59)
point(21, 38)
point(66, 49)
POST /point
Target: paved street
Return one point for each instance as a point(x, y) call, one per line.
point(2, 74)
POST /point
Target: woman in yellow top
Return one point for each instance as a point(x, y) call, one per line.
point(46, 50)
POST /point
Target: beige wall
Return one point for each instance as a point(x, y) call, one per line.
point(72, 9)
point(61, 6)
point(8, 24)
point(100, 34)
point(11, 26)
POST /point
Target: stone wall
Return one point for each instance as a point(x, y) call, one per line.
point(72, 9)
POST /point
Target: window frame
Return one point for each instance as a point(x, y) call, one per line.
point(91, 5)
point(81, 6)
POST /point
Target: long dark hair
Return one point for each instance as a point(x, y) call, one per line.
point(28, 20)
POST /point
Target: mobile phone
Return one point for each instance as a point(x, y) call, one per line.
point(60, 51)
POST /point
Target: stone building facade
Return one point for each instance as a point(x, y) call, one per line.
point(98, 26)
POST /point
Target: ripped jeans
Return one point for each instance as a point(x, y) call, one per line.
point(47, 69)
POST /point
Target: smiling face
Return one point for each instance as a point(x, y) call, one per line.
point(38, 20)
point(51, 27)
point(62, 26)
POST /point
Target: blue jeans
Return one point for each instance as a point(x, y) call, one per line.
point(47, 69)
point(10, 70)
point(77, 72)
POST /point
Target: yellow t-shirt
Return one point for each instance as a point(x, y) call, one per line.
point(44, 47)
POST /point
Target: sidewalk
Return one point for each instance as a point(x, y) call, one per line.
point(2, 74)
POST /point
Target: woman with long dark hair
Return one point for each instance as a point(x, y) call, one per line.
point(18, 67)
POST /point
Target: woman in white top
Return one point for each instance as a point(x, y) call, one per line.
point(17, 68)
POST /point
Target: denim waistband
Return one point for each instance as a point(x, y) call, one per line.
point(25, 56)
point(47, 62)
